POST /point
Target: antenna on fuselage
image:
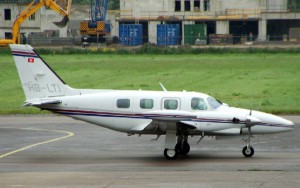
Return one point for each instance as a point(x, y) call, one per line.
point(163, 87)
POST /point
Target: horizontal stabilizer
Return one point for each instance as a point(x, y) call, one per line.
point(40, 102)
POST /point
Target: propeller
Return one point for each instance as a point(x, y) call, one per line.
point(251, 120)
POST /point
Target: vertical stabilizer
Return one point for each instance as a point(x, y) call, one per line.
point(37, 78)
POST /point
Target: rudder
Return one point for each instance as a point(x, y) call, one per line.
point(37, 78)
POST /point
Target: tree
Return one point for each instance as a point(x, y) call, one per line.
point(114, 5)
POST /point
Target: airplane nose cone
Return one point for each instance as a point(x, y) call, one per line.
point(289, 123)
point(278, 124)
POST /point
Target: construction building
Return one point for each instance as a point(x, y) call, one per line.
point(257, 20)
point(174, 21)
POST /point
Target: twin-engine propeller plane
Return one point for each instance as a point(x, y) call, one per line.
point(177, 115)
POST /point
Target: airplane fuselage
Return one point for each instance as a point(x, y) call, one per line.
point(128, 111)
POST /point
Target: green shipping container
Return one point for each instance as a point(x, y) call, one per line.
point(195, 34)
point(294, 5)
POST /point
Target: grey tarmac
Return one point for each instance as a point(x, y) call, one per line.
point(41, 151)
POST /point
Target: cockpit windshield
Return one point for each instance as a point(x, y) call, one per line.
point(213, 103)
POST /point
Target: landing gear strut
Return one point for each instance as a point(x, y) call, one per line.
point(248, 150)
point(170, 142)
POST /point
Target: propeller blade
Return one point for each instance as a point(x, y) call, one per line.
point(251, 121)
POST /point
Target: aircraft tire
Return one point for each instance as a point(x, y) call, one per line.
point(170, 153)
point(183, 150)
point(248, 153)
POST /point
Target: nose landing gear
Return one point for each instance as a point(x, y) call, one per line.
point(248, 150)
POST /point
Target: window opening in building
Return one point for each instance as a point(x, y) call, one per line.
point(32, 17)
point(187, 5)
point(123, 103)
point(177, 5)
point(8, 35)
point(206, 5)
point(197, 5)
point(146, 103)
point(171, 104)
point(7, 14)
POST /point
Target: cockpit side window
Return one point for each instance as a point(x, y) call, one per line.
point(198, 104)
point(213, 103)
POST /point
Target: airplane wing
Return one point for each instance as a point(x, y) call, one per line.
point(168, 116)
point(39, 102)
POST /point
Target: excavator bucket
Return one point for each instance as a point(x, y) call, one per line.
point(63, 22)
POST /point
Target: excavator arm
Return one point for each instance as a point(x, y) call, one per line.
point(31, 9)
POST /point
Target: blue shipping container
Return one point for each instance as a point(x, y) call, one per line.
point(107, 28)
point(168, 34)
point(131, 34)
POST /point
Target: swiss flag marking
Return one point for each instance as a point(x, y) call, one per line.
point(30, 60)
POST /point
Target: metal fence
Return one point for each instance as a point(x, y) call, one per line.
point(203, 41)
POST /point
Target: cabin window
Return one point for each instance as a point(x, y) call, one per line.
point(171, 104)
point(198, 104)
point(7, 14)
point(123, 103)
point(146, 103)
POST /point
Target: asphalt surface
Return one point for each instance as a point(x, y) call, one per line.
point(55, 151)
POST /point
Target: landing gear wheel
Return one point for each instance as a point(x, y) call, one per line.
point(170, 153)
point(248, 152)
point(182, 148)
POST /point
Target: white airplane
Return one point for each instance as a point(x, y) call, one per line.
point(174, 114)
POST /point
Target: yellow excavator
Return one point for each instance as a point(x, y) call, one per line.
point(60, 6)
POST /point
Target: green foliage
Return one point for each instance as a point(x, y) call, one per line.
point(5, 50)
point(261, 81)
point(114, 5)
point(161, 50)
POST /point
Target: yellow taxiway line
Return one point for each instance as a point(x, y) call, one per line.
point(69, 134)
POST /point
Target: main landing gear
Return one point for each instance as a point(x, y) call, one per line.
point(182, 145)
point(180, 149)
point(174, 147)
